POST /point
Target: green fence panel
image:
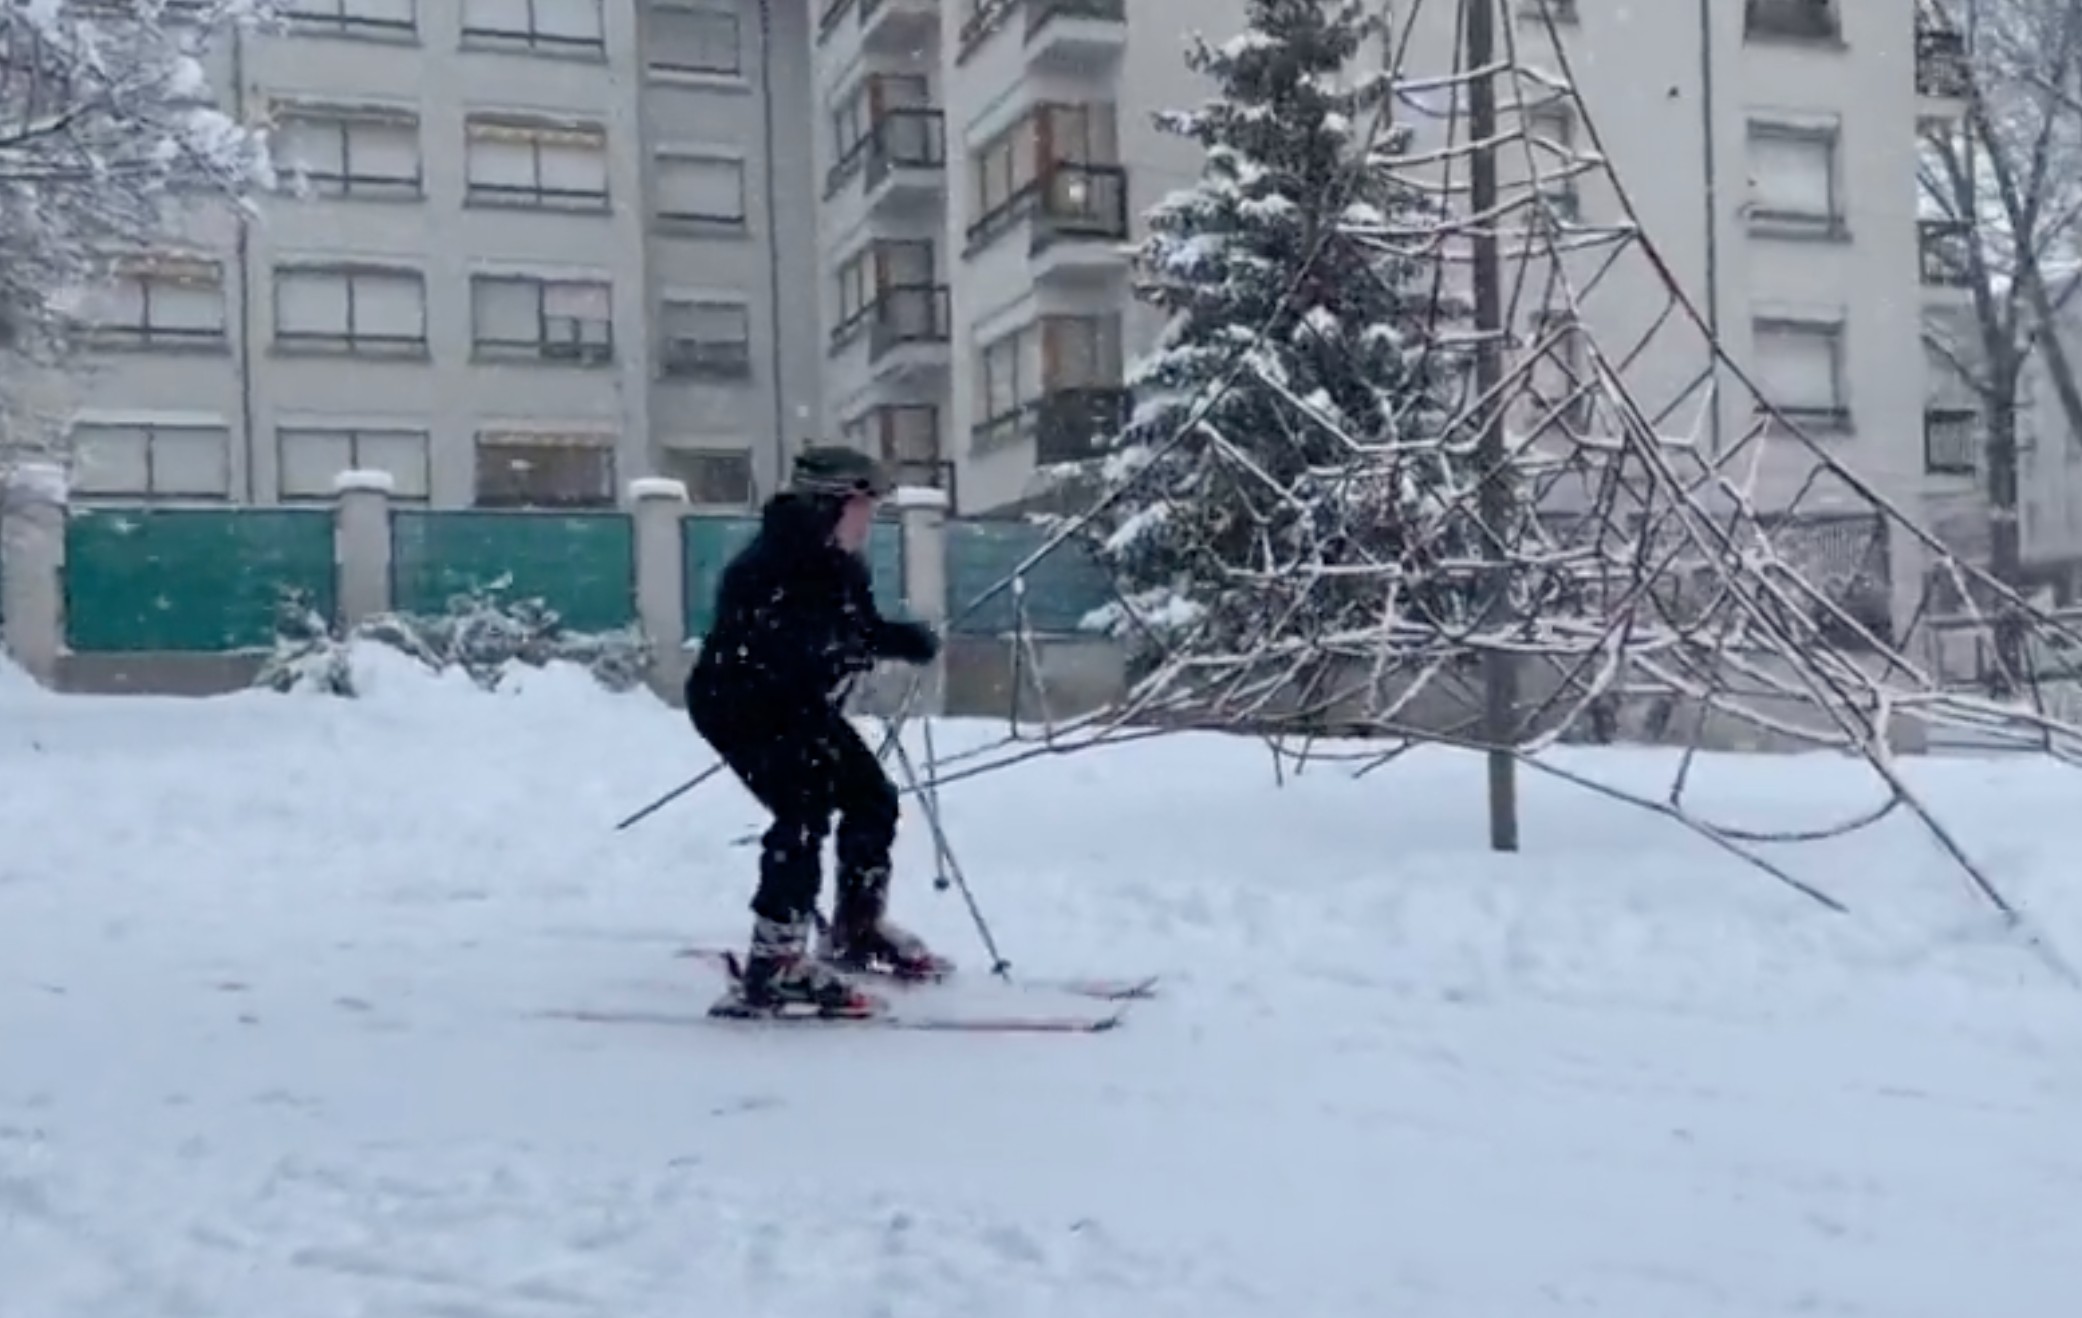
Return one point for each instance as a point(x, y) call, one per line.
point(707, 544)
point(193, 580)
point(886, 561)
point(1060, 589)
point(583, 565)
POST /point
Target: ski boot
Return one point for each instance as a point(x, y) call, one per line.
point(861, 938)
point(779, 978)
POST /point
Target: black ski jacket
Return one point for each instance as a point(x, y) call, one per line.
point(795, 617)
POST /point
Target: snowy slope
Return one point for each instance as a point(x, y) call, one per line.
point(271, 969)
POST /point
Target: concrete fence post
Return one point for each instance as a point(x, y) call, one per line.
point(361, 545)
point(33, 500)
point(922, 518)
point(659, 508)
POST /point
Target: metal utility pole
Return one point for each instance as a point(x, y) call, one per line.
point(1500, 674)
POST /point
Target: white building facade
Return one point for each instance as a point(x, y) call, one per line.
point(535, 248)
point(1767, 146)
point(553, 245)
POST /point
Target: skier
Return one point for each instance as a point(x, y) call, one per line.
point(795, 621)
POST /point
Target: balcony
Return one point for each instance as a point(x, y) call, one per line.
point(1077, 215)
point(1071, 35)
point(1945, 251)
point(1942, 69)
point(898, 26)
point(1071, 425)
point(1951, 441)
point(908, 329)
point(905, 157)
point(1064, 36)
point(1080, 216)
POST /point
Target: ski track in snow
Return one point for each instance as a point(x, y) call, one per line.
point(272, 973)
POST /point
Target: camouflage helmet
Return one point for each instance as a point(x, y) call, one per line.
point(837, 470)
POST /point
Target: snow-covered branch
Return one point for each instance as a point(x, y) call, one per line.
point(107, 118)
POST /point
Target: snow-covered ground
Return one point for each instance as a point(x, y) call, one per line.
point(273, 973)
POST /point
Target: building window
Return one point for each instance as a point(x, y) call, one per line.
point(1054, 355)
point(151, 460)
point(857, 117)
point(521, 163)
point(1080, 352)
point(687, 38)
point(1008, 376)
point(537, 469)
point(870, 275)
point(1004, 170)
point(1793, 179)
point(705, 339)
point(310, 458)
point(357, 309)
point(545, 27)
point(1551, 129)
point(1560, 397)
point(701, 189)
point(376, 20)
point(1800, 20)
point(1060, 163)
point(715, 478)
point(524, 317)
point(361, 154)
point(1799, 368)
point(907, 439)
point(162, 305)
point(856, 293)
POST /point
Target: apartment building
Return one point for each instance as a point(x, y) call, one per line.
point(530, 249)
point(2049, 476)
point(984, 170)
point(549, 245)
point(1768, 150)
point(984, 166)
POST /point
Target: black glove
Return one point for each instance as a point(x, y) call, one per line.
point(912, 642)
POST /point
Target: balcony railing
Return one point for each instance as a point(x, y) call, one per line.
point(1945, 248)
point(1071, 425)
point(1040, 13)
point(1081, 202)
point(907, 314)
point(912, 138)
point(1951, 441)
point(1941, 64)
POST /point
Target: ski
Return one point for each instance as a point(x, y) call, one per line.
point(890, 1020)
point(1081, 986)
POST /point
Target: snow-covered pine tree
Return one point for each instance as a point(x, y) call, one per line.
point(1220, 527)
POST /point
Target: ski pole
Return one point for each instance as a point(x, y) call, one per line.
point(950, 868)
point(671, 796)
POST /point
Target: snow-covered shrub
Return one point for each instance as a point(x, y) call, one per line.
point(482, 634)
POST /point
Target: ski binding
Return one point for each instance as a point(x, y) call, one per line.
point(1102, 988)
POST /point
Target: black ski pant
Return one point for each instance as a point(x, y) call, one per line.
point(805, 768)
